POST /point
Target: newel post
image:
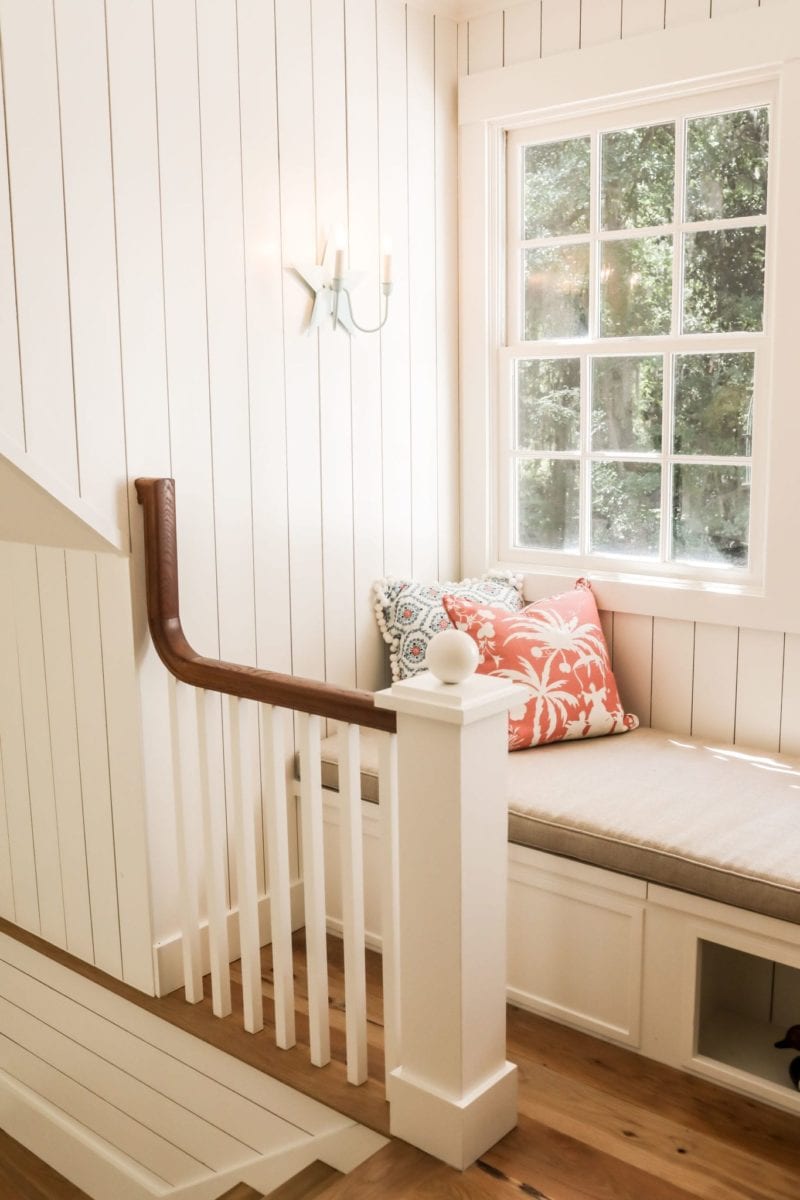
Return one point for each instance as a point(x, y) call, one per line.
point(453, 1094)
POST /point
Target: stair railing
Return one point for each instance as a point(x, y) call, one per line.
point(442, 752)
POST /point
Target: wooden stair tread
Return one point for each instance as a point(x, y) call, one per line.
point(23, 1176)
point(242, 1191)
point(312, 1181)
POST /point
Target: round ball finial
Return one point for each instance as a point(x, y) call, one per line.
point(452, 656)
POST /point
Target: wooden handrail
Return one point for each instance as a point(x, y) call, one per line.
point(157, 497)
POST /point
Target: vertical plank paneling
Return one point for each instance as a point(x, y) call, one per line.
point(89, 209)
point(561, 26)
point(642, 16)
point(758, 689)
point(633, 662)
point(523, 32)
point(364, 239)
point(716, 653)
point(37, 209)
point(721, 8)
point(601, 21)
point(673, 662)
point(393, 151)
point(422, 293)
point(134, 143)
point(125, 769)
point(790, 704)
point(334, 349)
point(7, 906)
point(87, 661)
point(24, 582)
point(681, 12)
point(463, 45)
point(446, 117)
point(486, 42)
point(264, 295)
point(607, 623)
point(12, 420)
point(296, 142)
point(15, 765)
point(218, 70)
point(51, 568)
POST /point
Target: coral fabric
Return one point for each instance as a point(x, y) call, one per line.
point(557, 649)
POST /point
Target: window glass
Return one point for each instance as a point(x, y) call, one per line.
point(556, 292)
point(548, 503)
point(556, 188)
point(636, 287)
point(637, 183)
point(626, 508)
point(724, 281)
point(713, 404)
point(548, 404)
point(726, 165)
point(627, 401)
point(711, 514)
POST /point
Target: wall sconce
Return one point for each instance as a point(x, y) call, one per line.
point(332, 282)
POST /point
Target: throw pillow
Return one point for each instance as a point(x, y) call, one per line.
point(409, 614)
point(557, 649)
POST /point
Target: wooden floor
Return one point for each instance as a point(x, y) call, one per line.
point(23, 1176)
point(596, 1122)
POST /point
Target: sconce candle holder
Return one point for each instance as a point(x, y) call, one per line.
point(332, 284)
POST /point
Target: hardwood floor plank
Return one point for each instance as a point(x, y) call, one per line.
point(23, 1176)
point(312, 1181)
point(242, 1191)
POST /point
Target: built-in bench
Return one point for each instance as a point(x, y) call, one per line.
point(654, 895)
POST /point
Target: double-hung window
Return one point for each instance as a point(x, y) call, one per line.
point(630, 257)
point(637, 322)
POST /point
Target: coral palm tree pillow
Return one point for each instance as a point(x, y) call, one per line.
point(557, 649)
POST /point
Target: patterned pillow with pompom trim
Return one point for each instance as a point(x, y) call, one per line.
point(409, 614)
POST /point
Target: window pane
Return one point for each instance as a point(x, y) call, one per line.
point(626, 505)
point(724, 281)
point(713, 403)
point(726, 165)
point(638, 177)
point(548, 404)
point(556, 189)
point(548, 499)
point(626, 402)
point(636, 287)
point(711, 514)
point(556, 292)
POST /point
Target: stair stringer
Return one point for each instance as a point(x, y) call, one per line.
point(123, 1104)
point(39, 509)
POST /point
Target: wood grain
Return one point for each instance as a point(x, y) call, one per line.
point(157, 496)
point(597, 1122)
point(23, 1176)
point(312, 1181)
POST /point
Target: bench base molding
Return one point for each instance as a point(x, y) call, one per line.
point(692, 983)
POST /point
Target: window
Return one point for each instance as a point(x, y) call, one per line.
point(637, 338)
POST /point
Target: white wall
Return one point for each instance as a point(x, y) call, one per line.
point(714, 681)
point(167, 164)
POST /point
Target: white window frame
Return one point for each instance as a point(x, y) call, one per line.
point(754, 53)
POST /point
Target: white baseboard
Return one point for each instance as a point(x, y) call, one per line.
point(167, 955)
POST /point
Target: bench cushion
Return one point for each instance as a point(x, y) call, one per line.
point(717, 821)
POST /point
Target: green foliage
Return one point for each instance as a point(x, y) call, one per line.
point(556, 188)
point(636, 287)
point(711, 514)
point(627, 402)
point(727, 160)
point(626, 508)
point(713, 401)
point(638, 177)
point(548, 496)
point(724, 281)
point(548, 403)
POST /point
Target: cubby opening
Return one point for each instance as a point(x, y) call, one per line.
point(746, 1004)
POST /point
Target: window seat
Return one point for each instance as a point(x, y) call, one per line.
point(716, 821)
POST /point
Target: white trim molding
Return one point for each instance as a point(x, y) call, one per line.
point(764, 46)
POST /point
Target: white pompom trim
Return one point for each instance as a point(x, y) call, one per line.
point(382, 602)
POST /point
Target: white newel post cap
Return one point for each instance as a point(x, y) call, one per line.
point(452, 656)
point(450, 690)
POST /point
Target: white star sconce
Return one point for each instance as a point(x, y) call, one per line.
point(331, 283)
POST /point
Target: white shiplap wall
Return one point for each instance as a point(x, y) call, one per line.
point(167, 164)
point(711, 681)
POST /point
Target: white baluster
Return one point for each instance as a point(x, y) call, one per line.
point(184, 765)
point(277, 831)
point(390, 910)
point(314, 888)
point(240, 712)
point(352, 848)
point(215, 839)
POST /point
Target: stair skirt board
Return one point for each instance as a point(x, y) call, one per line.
point(125, 1105)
